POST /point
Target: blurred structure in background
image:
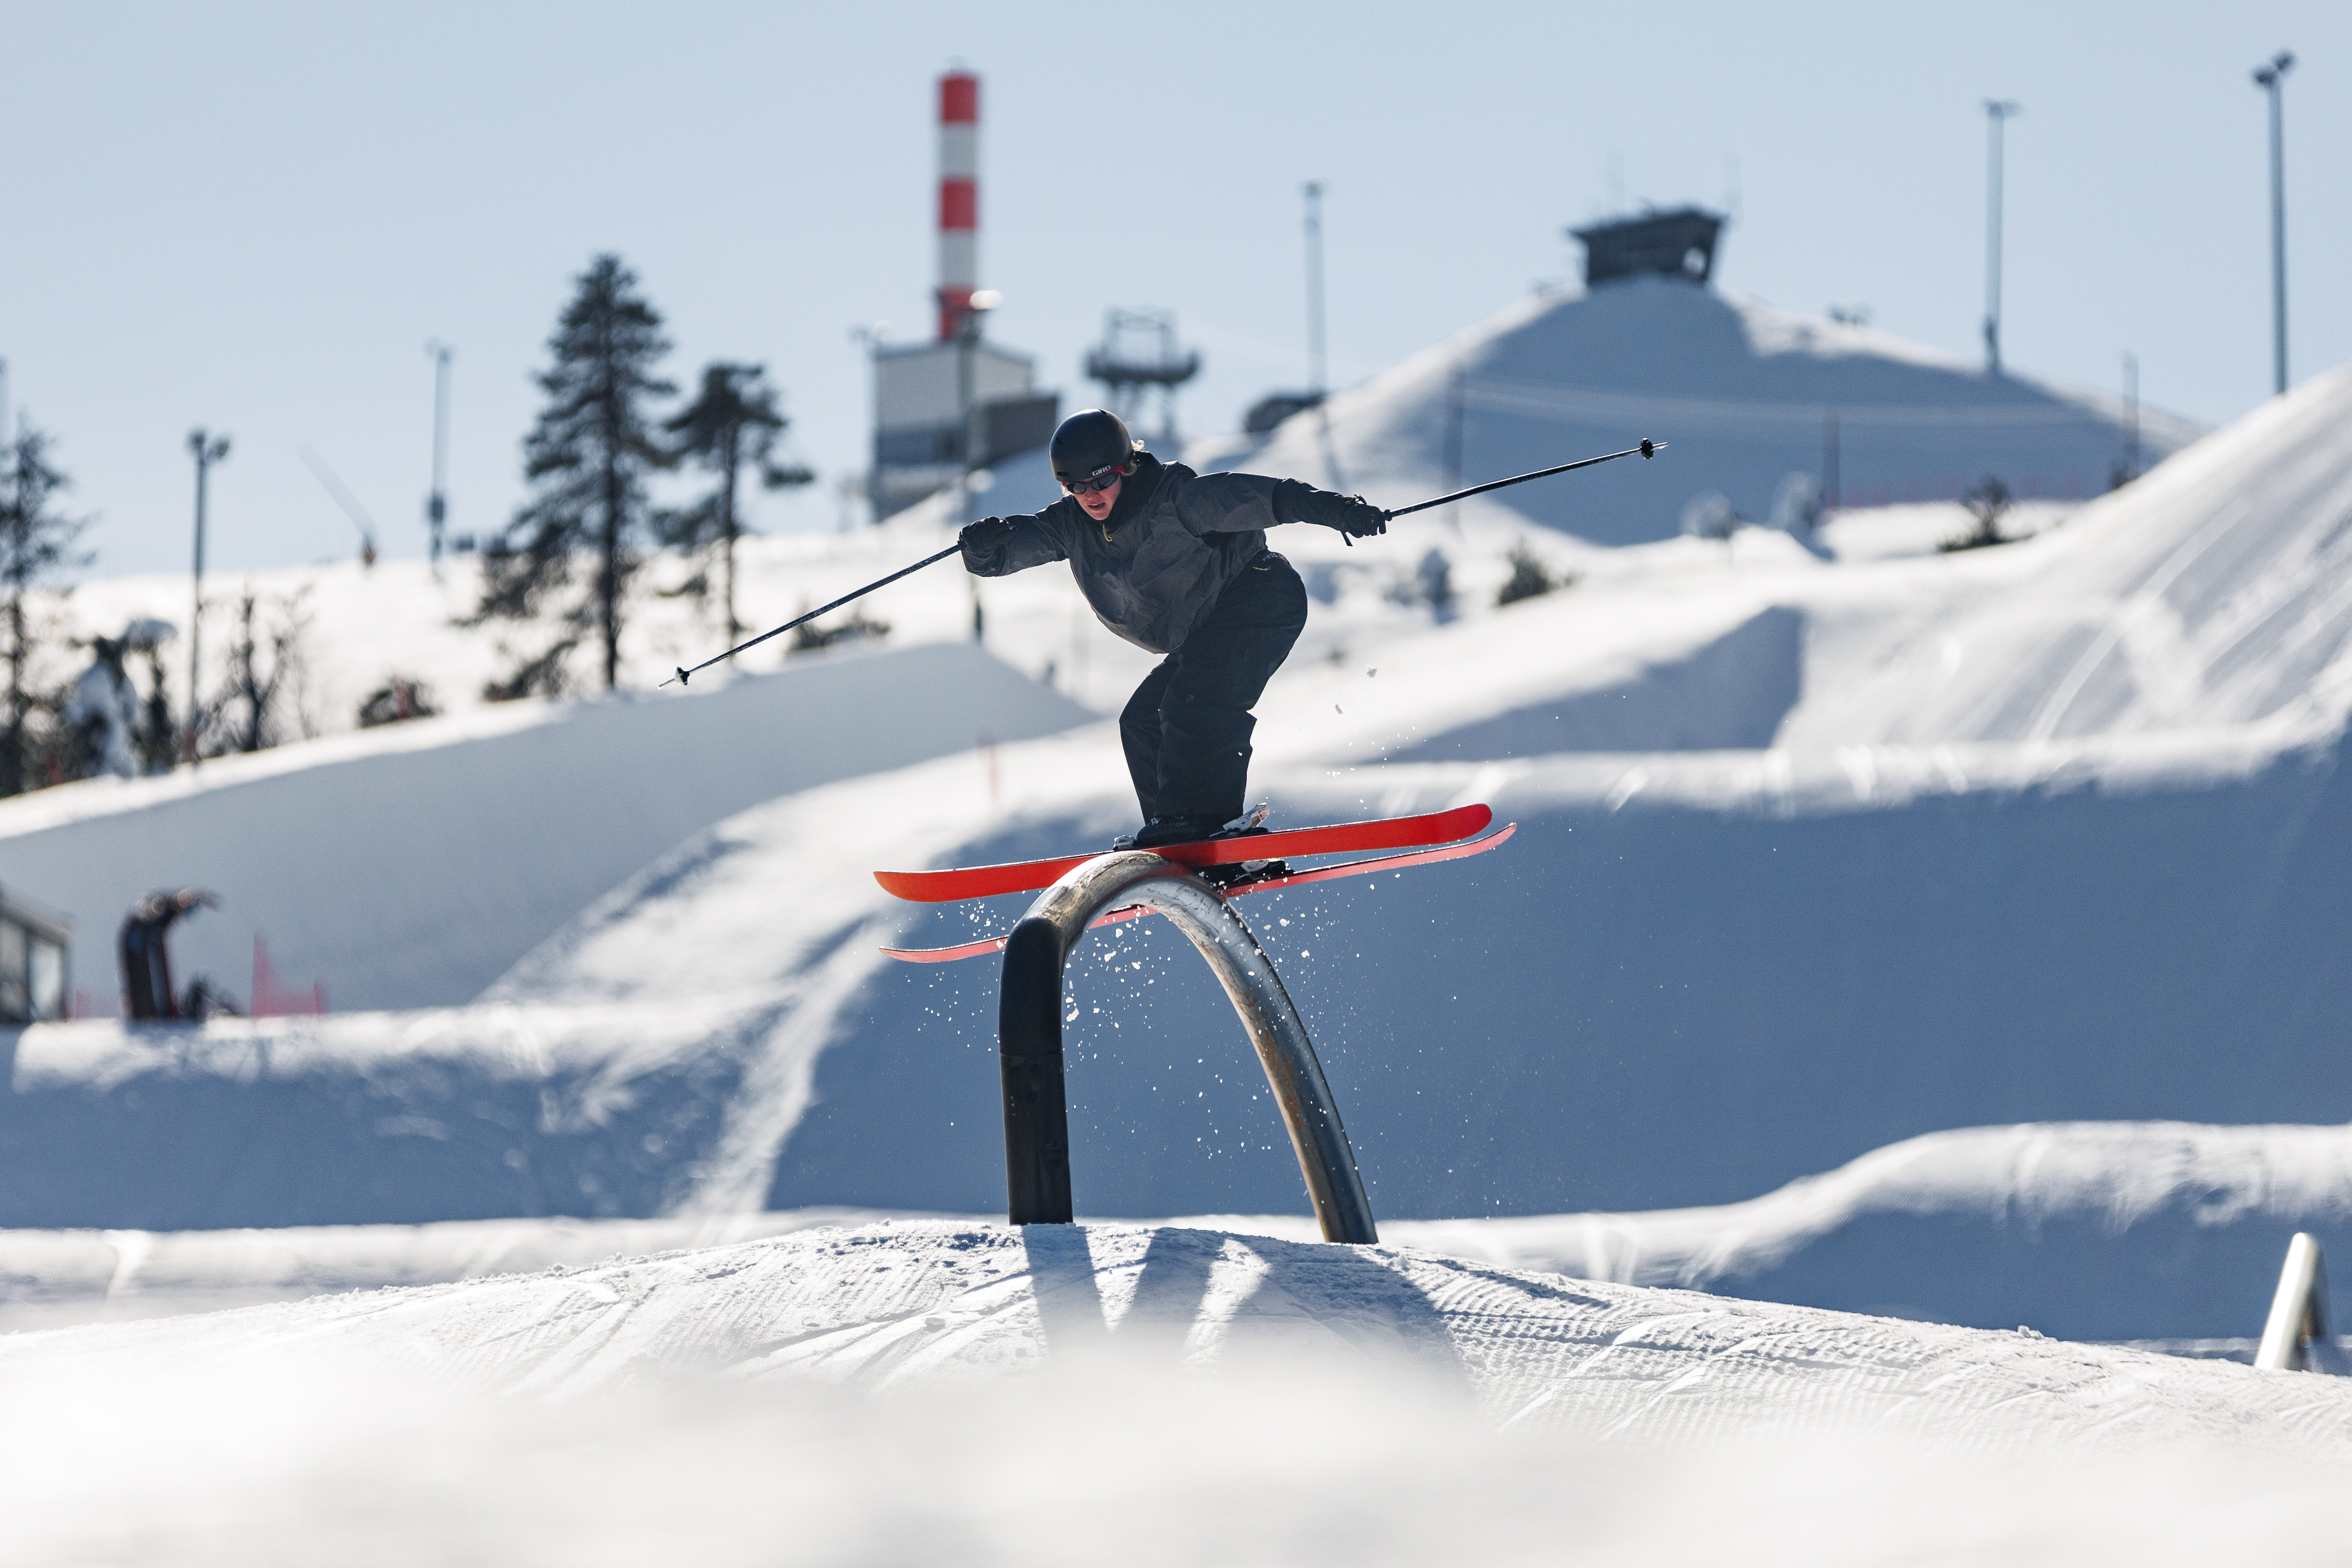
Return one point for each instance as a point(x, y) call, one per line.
point(33, 941)
point(946, 408)
point(1139, 354)
point(1677, 243)
point(1276, 406)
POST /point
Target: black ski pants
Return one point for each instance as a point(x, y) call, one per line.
point(1187, 729)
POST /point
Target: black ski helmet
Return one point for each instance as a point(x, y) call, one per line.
point(1090, 442)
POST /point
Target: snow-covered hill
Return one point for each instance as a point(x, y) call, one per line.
point(951, 1392)
point(1793, 883)
point(1747, 393)
point(408, 866)
point(2147, 1231)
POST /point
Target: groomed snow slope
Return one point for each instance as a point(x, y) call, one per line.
point(932, 1392)
point(2216, 592)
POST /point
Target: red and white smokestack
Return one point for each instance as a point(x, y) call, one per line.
point(959, 198)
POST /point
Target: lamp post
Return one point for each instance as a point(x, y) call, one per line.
point(1997, 112)
point(2271, 79)
point(968, 316)
point(1313, 191)
point(437, 505)
point(207, 450)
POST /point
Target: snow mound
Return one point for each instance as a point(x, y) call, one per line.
point(2099, 1230)
point(967, 1394)
point(2215, 592)
point(902, 1304)
point(1745, 392)
point(409, 865)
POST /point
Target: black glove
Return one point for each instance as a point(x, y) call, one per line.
point(982, 543)
point(1359, 519)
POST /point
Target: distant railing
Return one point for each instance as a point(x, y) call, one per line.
point(2299, 1309)
point(1029, 1037)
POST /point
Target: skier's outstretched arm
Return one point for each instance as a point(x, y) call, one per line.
point(997, 545)
point(1237, 503)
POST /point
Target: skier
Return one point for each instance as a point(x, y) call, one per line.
point(147, 962)
point(1175, 562)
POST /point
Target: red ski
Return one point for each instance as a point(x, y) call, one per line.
point(951, 886)
point(1321, 874)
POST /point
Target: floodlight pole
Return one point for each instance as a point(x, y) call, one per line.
point(437, 505)
point(1316, 373)
point(207, 450)
point(2272, 79)
point(1997, 112)
point(2131, 415)
point(970, 313)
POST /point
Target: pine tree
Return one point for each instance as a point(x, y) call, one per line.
point(733, 421)
point(35, 540)
point(586, 460)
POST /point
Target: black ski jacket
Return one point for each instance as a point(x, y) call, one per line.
point(1154, 567)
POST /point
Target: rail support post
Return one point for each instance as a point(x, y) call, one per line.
point(2298, 1310)
point(1029, 1038)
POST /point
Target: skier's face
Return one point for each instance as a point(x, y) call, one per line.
point(1097, 503)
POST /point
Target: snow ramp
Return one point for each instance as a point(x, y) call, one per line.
point(951, 1392)
point(409, 866)
point(907, 1303)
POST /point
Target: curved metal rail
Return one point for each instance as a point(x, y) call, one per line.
point(1029, 1037)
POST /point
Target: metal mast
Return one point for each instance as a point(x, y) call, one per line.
point(1996, 115)
point(2271, 79)
point(437, 505)
point(1315, 364)
point(207, 450)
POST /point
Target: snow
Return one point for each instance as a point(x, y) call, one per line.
point(1742, 389)
point(362, 858)
point(1760, 920)
point(943, 1390)
point(1829, 847)
point(2086, 1230)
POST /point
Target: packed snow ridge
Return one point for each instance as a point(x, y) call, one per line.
point(942, 1390)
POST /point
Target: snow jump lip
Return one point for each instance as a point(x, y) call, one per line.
point(951, 886)
point(1319, 874)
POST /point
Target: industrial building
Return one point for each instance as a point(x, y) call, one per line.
point(944, 408)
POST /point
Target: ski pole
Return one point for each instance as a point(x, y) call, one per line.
point(682, 676)
point(1648, 448)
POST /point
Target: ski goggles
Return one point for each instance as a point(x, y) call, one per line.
point(1100, 479)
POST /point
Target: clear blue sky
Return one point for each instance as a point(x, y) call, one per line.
point(252, 216)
